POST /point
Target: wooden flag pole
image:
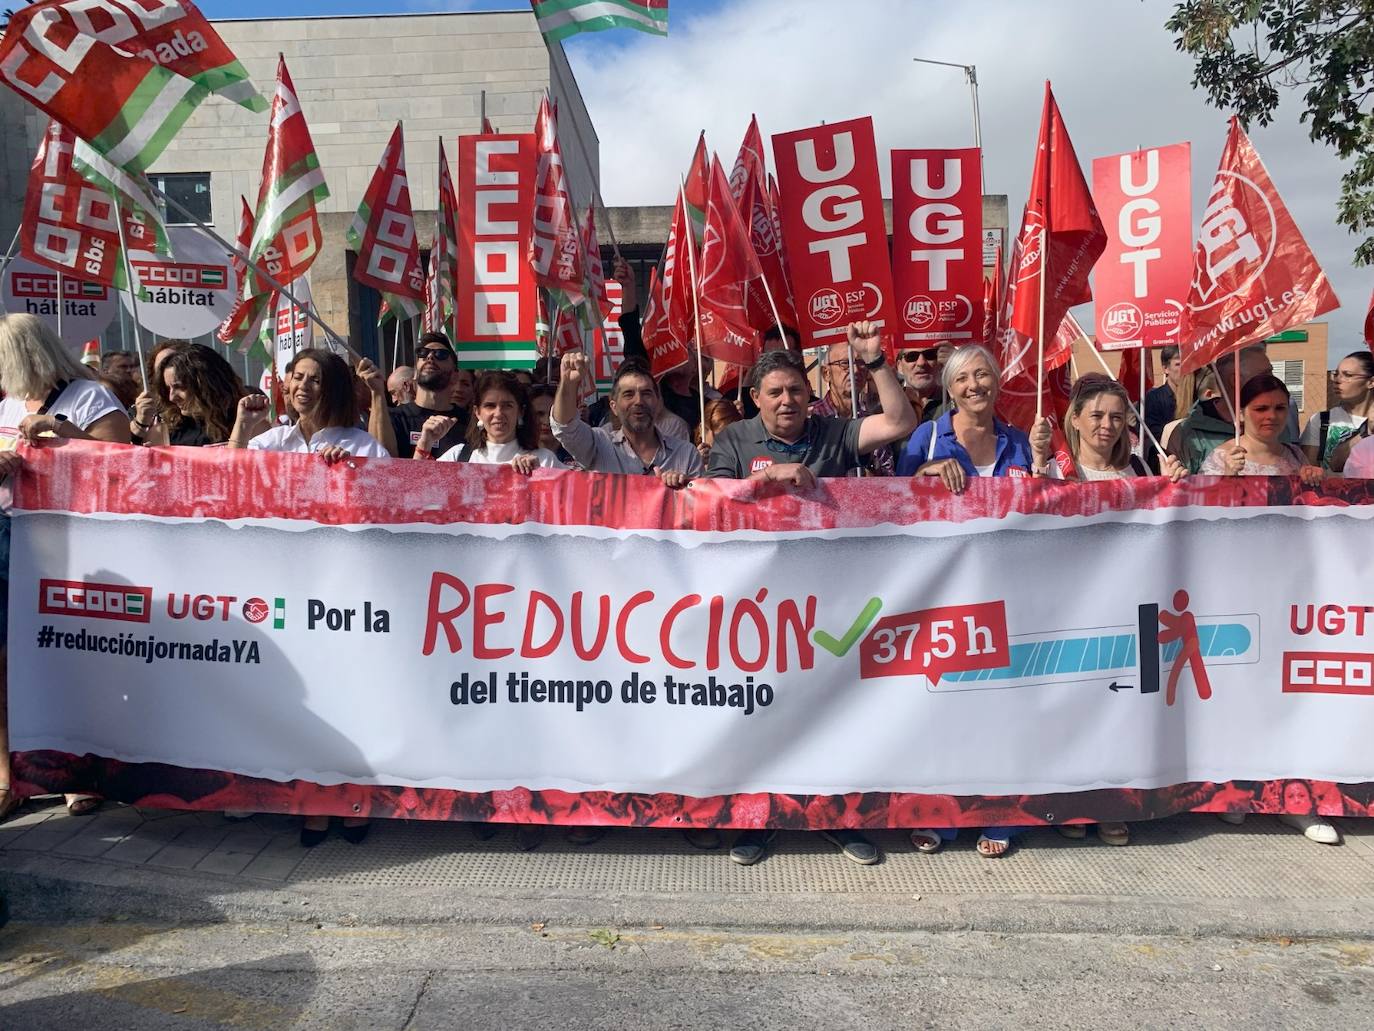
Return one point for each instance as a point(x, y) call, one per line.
point(696, 311)
point(133, 290)
point(1235, 381)
point(61, 299)
point(1040, 346)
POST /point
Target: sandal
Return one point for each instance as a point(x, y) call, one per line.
point(927, 842)
point(1072, 831)
point(10, 803)
point(1117, 834)
point(993, 848)
point(82, 805)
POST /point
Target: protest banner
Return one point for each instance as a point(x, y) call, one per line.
point(498, 298)
point(767, 663)
point(87, 307)
point(832, 226)
point(1141, 280)
point(937, 254)
point(185, 296)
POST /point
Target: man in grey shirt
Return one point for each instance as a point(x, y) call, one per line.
point(783, 444)
point(637, 448)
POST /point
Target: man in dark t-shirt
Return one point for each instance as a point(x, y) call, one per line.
point(435, 364)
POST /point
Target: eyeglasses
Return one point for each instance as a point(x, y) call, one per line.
point(842, 365)
point(438, 354)
point(930, 354)
point(1348, 375)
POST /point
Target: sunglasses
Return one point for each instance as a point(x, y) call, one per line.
point(438, 354)
point(930, 354)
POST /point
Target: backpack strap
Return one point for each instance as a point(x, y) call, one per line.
point(1138, 466)
point(1325, 425)
point(52, 397)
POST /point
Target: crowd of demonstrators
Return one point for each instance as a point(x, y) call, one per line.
point(935, 409)
point(1330, 436)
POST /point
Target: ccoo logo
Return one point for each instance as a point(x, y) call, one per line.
point(1236, 240)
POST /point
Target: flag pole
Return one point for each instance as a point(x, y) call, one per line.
point(596, 190)
point(9, 256)
point(234, 250)
point(133, 289)
point(696, 310)
point(1040, 346)
point(1235, 381)
point(1137, 410)
point(61, 297)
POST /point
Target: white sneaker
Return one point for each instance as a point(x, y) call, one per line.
point(1314, 828)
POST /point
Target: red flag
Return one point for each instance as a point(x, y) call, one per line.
point(676, 284)
point(790, 311)
point(665, 352)
point(383, 233)
point(1128, 374)
point(239, 268)
point(1369, 324)
point(555, 248)
point(749, 185)
point(697, 188)
point(1061, 238)
point(487, 130)
point(1253, 273)
point(992, 302)
point(727, 267)
point(595, 288)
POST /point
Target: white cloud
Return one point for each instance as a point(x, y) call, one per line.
point(1118, 79)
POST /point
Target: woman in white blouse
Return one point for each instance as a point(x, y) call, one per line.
point(505, 430)
point(320, 392)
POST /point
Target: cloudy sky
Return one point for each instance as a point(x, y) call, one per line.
point(1118, 79)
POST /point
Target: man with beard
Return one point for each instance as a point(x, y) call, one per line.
point(637, 447)
point(429, 425)
point(119, 372)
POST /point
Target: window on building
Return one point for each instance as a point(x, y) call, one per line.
point(189, 189)
point(1291, 371)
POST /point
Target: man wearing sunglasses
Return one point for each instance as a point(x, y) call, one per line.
point(919, 370)
point(430, 424)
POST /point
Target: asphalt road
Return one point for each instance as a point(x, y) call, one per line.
point(126, 974)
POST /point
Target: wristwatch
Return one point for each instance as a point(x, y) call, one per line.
point(877, 363)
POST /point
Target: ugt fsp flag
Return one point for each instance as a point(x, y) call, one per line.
point(123, 75)
point(1253, 273)
point(559, 19)
point(383, 232)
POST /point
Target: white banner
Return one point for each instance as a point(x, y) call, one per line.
point(185, 296)
point(999, 650)
point(86, 310)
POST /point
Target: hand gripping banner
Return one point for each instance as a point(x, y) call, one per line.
point(597, 649)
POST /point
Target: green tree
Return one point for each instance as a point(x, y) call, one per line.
point(1247, 51)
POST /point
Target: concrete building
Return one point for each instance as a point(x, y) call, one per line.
point(355, 77)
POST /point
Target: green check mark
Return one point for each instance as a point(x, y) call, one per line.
point(856, 630)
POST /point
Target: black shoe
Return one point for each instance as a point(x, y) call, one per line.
point(854, 846)
point(705, 838)
point(355, 835)
point(311, 838)
point(529, 836)
point(483, 831)
point(581, 836)
point(751, 846)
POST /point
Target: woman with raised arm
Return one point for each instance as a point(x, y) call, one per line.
point(319, 391)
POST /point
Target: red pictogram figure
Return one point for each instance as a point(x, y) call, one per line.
point(1182, 627)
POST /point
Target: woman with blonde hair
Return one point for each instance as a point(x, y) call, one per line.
point(48, 393)
point(1095, 428)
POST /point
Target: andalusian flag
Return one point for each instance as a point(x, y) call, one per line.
point(124, 84)
point(559, 19)
point(286, 226)
point(441, 283)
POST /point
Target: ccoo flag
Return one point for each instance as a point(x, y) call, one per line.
point(441, 285)
point(1253, 273)
point(559, 19)
point(1061, 238)
point(383, 232)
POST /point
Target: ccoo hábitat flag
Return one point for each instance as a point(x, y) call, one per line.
point(559, 19)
